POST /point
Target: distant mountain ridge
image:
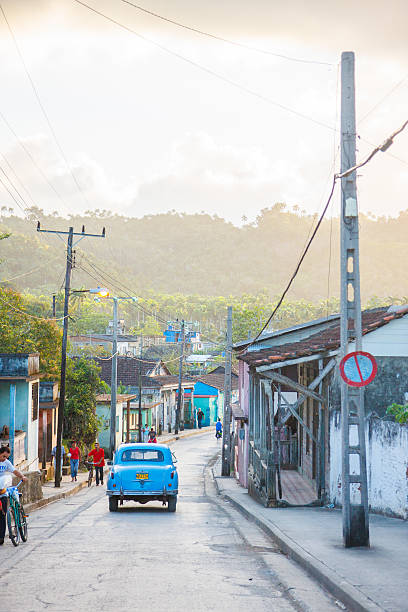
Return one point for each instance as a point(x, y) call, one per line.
point(203, 254)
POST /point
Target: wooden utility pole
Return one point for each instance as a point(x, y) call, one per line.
point(178, 409)
point(68, 270)
point(61, 404)
point(354, 486)
point(226, 438)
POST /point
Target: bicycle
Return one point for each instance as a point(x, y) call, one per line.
point(90, 466)
point(16, 516)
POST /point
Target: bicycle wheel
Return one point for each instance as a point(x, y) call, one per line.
point(22, 524)
point(90, 475)
point(12, 524)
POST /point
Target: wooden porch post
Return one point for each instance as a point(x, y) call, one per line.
point(128, 421)
point(271, 463)
point(321, 484)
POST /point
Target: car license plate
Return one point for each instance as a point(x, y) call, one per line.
point(142, 476)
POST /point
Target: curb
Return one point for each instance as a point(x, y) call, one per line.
point(40, 503)
point(189, 434)
point(53, 498)
point(340, 588)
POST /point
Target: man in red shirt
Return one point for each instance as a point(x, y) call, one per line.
point(98, 458)
point(74, 455)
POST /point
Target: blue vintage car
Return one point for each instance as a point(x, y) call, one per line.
point(142, 473)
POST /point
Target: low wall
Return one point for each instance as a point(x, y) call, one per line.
point(31, 489)
point(387, 465)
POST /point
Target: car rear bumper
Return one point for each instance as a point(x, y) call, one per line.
point(132, 494)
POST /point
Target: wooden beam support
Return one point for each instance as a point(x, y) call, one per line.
point(284, 380)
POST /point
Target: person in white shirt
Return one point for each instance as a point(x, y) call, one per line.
point(6, 466)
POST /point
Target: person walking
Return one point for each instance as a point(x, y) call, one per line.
point(6, 466)
point(98, 458)
point(146, 433)
point(152, 436)
point(74, 457)
point(200, 416)
point(54, 454)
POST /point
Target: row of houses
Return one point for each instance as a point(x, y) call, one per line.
point(159, 397)
point(287, 435)
point(29, 405)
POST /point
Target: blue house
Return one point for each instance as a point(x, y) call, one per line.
point(19, 407)
point(209, 396)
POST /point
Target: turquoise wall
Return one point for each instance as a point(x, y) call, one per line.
point(22, 404)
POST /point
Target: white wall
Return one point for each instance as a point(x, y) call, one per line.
point(387, 464)
point(390, 340)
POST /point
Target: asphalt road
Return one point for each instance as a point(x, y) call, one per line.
point(206, 556)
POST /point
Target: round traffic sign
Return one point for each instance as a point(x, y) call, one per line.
point(358, 369)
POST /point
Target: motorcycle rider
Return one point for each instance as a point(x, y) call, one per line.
point(218, 428)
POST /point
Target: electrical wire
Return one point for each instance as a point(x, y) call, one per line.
point(102, 275)
point(383, 147)
point(41, 105)
point(225, 40)
point(364, 117)
point(27, 314)
point(209, 71)
point(32, 159)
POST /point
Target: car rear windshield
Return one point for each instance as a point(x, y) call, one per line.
point(136, 454)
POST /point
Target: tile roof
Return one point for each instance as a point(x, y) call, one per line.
point(105, 398)
point(128, 371)
point(217, 381)
point(326, 339)
point(172, 379)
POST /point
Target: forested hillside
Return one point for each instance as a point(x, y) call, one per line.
point(200, 254)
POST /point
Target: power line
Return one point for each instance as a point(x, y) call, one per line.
point(26, 314)
point(217, 75)
point(102, 275)
point(41, 105)
point(383, 147)
point(225, 40)
point(30, 156)
point(396, 86)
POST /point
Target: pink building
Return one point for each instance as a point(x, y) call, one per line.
point(240, 426)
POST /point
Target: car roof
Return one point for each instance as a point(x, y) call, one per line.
point(151, 445)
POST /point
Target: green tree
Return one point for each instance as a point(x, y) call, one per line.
point(83, 384)
point(399, 411)
point(22, 332)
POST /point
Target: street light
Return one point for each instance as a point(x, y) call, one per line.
point(103, 293)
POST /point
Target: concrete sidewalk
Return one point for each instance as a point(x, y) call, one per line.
point(371, 579)
point(68, 488)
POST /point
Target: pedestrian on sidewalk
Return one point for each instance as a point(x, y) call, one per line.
point(54, 454)
point(145, 433)
point(200, 416)
point(98, 458)
point(6, 466)
point(74, 457)
point(152, 436)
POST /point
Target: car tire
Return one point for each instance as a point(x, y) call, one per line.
point(172, 503)
point(113, 504)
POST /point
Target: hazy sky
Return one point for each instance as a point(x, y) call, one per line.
point(145, 131)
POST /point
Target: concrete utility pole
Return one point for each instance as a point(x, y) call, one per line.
point(69, 266)
point(354, 471)
point(140, 391)
point(114, 377)
point(226, 437)
point(178, 409)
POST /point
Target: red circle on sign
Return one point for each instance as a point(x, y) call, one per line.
point(351, 358)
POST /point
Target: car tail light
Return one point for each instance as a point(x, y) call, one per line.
point(172, 475)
